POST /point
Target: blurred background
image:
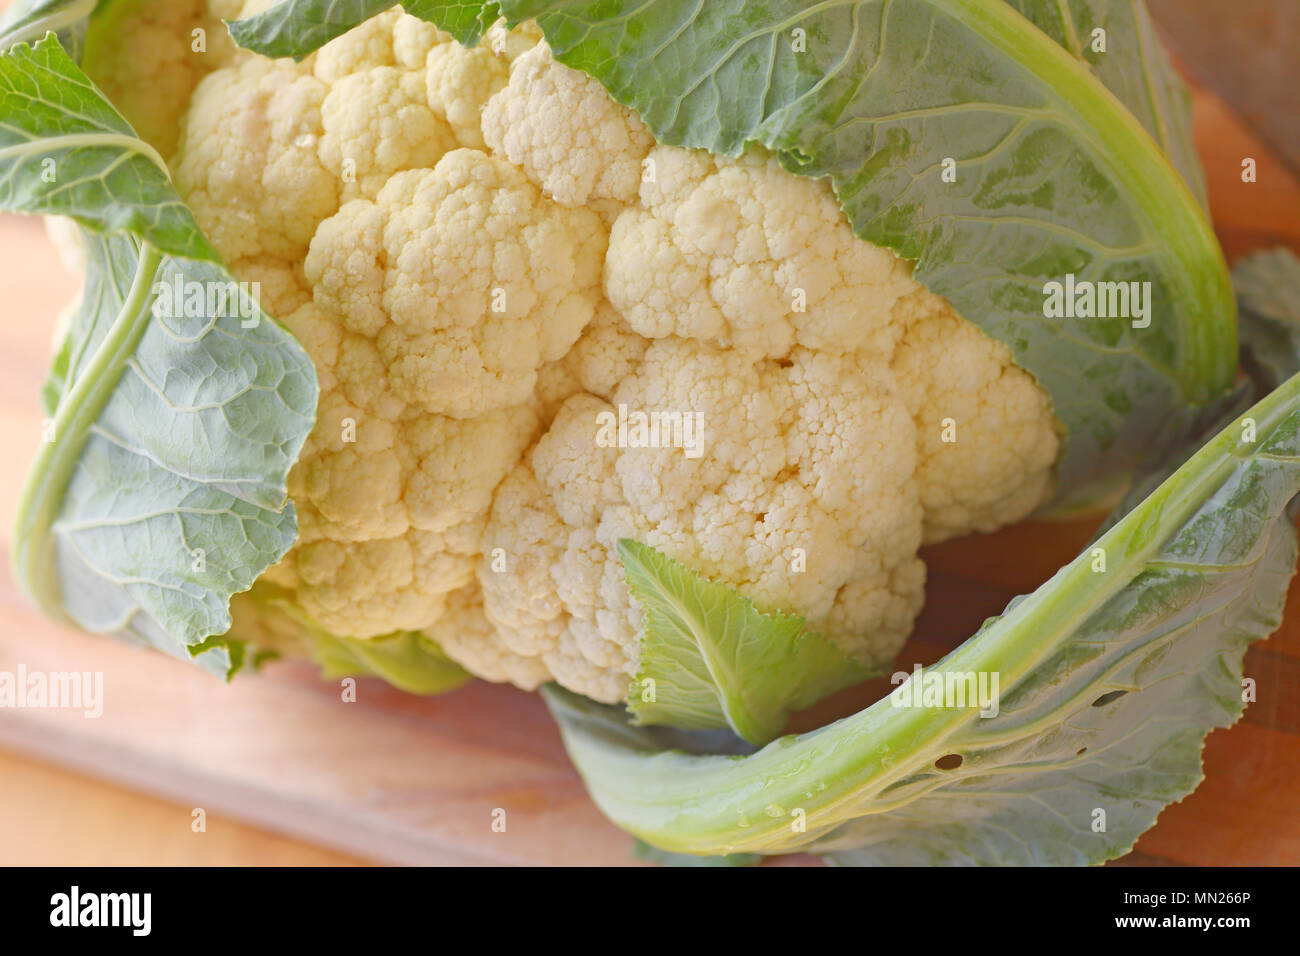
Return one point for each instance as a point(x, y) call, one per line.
point(1245, 51)
point(282, 778)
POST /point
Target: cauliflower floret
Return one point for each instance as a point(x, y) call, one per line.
point(283, 288)
point(413, 493)
point(152, 55)
point(372, 588)
point(987, 436)
point(271, 148)
point(801, 495)
point(529, 555)
point(364, 47)
point(471, 278)
point(463, 631)
point(351, 475)
point(378, 123)
point(459, 82)
point(248, 163)
point(378, 481)
point(561, 127)
point(459, 463)
point(742, 254)
point(391, 484)
point(413, 38)
point(607, 352)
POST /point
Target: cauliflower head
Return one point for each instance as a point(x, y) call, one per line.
point(537, 331)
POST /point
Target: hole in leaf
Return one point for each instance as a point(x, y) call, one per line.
point(949, 762)
point(1105, 699)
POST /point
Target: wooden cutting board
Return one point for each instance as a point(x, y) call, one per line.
point(410, 780)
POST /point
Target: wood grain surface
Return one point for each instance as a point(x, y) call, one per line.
point(52, 814)
point(408, 780)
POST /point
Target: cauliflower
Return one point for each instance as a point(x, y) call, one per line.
point(814, 455)
point(466, 277)
point(495, 270)
point(147, 58)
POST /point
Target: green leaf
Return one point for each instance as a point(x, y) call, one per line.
point(644, 851)
point(30, 20)
point(1109, 681)
point(297, 27)
point(1134, 66)
point(103, 294)
point(1268, 298)
point(406, 659)
point(64, 150)
point(1054, 178)
point(1268, 305)
point(1173, 451)
point(466, 21)
point(162, 492)
point(710, 659)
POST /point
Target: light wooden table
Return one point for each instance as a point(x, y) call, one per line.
point(401, 779)
point(52, 815)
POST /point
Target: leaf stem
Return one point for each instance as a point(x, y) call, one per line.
point(50, 23)
point(125, 141)
point(51, 472)
point(1207, 353)
point(712, 805)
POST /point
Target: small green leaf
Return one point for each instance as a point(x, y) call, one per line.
point(407, 660)
point(298, 27)
point(467, 22)
point(1268, 301)
point(65, 151)
point(160, 489)
point(29, 20)
point(710, 659)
